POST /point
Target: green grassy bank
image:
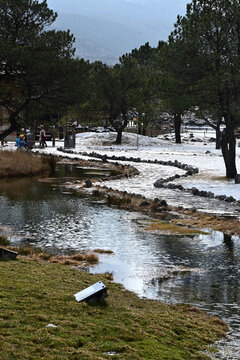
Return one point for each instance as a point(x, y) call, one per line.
point(34, 294)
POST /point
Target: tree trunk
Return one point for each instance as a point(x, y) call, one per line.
point(119, 137)
point(139, 128)
point(228, 146)
point(119, 127)
point(53, 138)
point(218, 137)
point(11, 128)
point(13, 120)
point(177, 128)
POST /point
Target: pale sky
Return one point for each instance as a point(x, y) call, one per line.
point(170, 8)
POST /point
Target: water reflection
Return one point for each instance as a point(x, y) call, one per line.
point(202, 270)
point(69, 171)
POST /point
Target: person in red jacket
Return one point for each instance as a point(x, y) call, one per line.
point(42, 138)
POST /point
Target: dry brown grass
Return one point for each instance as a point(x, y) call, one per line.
point(64, 261)
point(38, 255)
point(41, 257)
point(102, 251)
point(18, 163)
point(75, 259)
point(26, 250)
point(202, 220)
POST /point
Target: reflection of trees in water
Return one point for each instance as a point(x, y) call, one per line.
point(65, 170)
point(218, 284)
point(25, 200)
point(36, 208)
point(180, 250)
point(229, 243)
point(25, 188)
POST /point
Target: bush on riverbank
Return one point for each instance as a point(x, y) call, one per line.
point(19, 163)
point(35, 294)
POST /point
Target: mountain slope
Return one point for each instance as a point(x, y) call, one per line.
point(114, 38)
point(107, 29)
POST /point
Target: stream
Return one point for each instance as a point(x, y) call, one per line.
point(200, 270)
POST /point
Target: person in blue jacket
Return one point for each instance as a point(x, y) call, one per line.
point(20, 141)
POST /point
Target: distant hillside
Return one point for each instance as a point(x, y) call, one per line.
point(90, 51)
point(107, 29)
point(98, 39)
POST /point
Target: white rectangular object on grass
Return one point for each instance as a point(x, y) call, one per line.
point(92, 290)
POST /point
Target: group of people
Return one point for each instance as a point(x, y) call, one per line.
point(22, 143)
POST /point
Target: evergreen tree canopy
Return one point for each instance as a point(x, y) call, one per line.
point(34, 62)
point(207, 43)
point(118, 90)
point(207, 46)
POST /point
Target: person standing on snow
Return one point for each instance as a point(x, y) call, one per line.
point(42, 138)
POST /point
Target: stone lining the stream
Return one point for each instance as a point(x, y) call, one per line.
point(160, 183)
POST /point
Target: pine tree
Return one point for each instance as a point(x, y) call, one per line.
point(207, 44)
point(34, 62)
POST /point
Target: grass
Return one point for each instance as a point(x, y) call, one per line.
point(19, 163)
point(75, 259)
point(201, 220)
point(171, 228)
point(38, 255)
point(219, 178)
point(35, 294)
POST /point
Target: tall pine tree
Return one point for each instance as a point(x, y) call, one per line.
point(34, 62)
point(208, 43)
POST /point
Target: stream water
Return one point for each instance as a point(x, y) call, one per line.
point(201, 270)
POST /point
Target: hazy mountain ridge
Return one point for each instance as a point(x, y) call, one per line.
point(92, 52)
point(115, 39)
point(107, 29)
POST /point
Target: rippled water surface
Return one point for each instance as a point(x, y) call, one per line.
point(200, 270)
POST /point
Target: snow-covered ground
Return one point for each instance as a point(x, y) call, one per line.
point(196, 151)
